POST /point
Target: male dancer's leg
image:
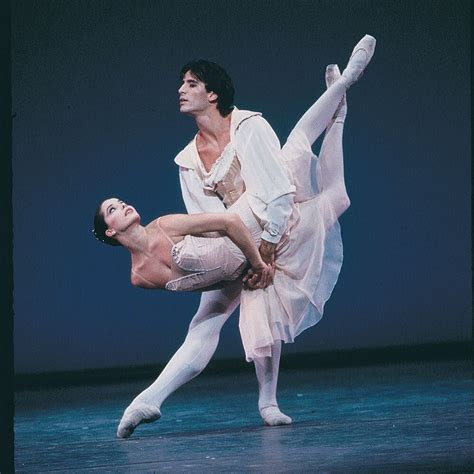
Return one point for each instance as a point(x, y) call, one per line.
point(332, 173)
point(266, 369)
point(188, 361)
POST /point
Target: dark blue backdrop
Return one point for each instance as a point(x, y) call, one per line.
point(95, 103)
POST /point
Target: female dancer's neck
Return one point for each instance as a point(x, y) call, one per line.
point(136, 240)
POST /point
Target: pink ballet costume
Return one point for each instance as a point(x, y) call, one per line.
point(308, 258)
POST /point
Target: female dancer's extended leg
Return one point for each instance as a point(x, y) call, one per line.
point(328, 112)
point(316, 119)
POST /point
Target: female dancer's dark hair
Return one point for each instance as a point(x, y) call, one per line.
point(100, 227)
point(216, 79)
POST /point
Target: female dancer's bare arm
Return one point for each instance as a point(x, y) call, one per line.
point(179, 225)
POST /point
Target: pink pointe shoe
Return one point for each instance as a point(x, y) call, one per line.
point(332, 75)
point(361, 56)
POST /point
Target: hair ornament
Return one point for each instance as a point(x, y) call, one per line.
point(97, 236)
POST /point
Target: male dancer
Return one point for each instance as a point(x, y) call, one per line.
point(234, 151)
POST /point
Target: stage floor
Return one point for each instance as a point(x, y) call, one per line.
point(389, 418)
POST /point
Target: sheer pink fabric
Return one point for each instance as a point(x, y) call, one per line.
point(309, 257)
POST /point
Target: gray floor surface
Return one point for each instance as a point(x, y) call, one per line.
point(413, 417)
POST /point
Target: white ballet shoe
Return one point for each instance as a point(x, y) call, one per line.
point(272, 416)
point(134, 415)
point(360, 57)
point(332, 75)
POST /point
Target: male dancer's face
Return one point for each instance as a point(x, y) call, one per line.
point(193, 96)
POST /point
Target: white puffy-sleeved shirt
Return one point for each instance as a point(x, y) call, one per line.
point(268, 188)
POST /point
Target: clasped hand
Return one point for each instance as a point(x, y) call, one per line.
point(260, 276)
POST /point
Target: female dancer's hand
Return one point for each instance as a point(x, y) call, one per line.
point(259, 277)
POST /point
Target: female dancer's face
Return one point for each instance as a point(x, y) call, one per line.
point(118, 216)
point(193, 96)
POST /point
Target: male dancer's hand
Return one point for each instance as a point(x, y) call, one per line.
point(258, 277)
point(262, 277)
point(267, 252)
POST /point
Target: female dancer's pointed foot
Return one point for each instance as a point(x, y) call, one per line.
point(332, 75)
point(361, 56)
point(272, 416)
point(135, 414)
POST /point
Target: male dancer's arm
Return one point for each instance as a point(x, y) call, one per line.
point(268, 187)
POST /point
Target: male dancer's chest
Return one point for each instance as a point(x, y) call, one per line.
point(210, 151)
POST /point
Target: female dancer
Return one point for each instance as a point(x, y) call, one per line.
point(173, 253)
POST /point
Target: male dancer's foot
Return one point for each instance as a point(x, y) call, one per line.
point(266, 369)
point(272, 416)
point(135, 414)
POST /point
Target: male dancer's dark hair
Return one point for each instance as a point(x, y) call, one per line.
point(216, 79)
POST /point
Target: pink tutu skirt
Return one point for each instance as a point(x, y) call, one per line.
point(308, 258)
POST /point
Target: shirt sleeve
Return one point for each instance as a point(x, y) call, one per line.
point(278, 212)
point(266, 179)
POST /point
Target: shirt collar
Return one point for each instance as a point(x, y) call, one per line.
point(188, 156)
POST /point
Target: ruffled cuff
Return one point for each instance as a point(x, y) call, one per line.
point(271, 236)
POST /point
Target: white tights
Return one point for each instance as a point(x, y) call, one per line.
point(217, 306)
point(199, 346)
point(318, 117)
